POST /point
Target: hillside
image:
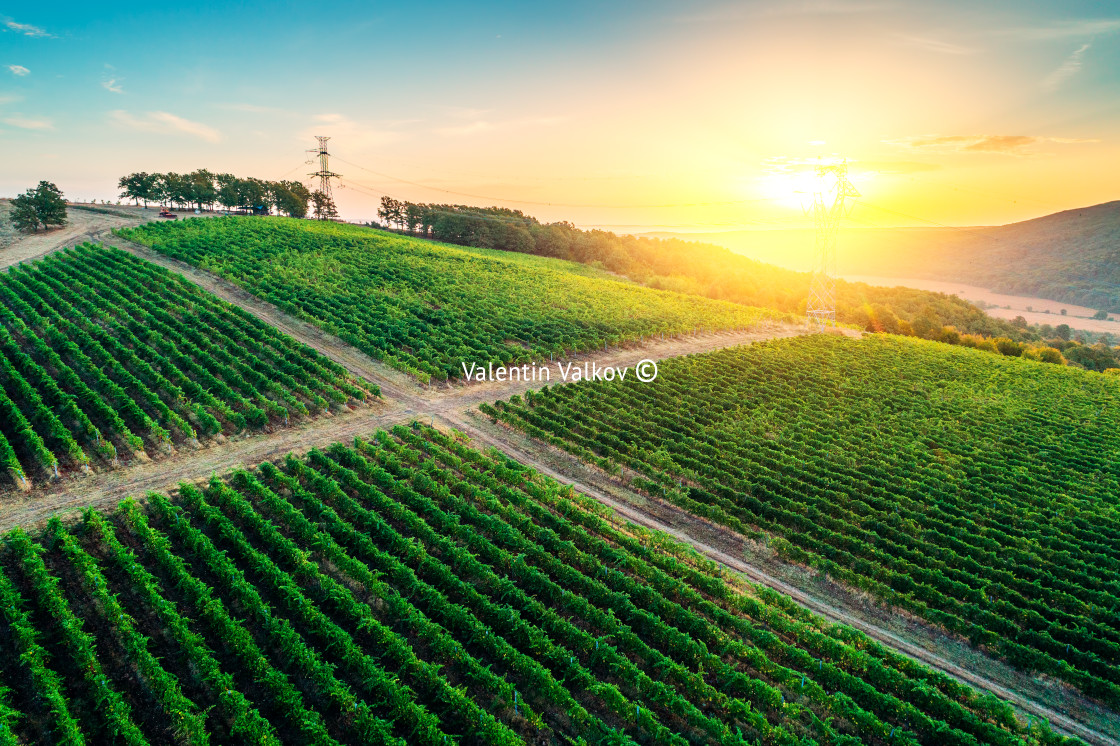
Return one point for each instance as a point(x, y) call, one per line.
point(428, 308)
point(105, 358)
point(971, 489)
point(705, 269)
point(1071, 256)
point(412, 590)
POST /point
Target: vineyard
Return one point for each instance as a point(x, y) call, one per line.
point(427, 308)
point(105, 357)
point(410, 589)
point(975, 491)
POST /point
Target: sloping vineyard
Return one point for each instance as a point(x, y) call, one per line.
point(427, 308)
point(104, 356)
point(978, 492)
point(412, 590)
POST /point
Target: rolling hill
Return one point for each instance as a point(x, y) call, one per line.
point(1071, 256)
point(974, 490)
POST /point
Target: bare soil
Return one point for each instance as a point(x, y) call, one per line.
point(84, 223)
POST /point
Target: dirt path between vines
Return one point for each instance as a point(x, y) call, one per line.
point(84, 223)
point(455, 406)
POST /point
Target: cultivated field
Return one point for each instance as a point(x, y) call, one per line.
point(427, 308)
point(412, 590)
point(104, 358)
point(975, 491)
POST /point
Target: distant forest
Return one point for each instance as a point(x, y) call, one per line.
point(717, 272)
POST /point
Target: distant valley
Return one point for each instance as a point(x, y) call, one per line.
point(1070, 257)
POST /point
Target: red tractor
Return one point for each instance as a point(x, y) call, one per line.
point(167, 214)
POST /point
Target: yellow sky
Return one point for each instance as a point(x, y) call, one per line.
point(635, 116)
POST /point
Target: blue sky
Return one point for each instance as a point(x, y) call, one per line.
point(687, 115)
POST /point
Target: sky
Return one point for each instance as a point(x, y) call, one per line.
point(634, 116)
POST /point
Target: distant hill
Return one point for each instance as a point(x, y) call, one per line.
point(1071, 256)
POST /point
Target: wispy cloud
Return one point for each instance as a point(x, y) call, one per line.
point(27, 123)
point(165, 123)
point(357, 135)
point(930, 44)
point(895, 168)
point(110, 81)
point(18, 70)
point(1005, 144)
point(1070, 67)
point(1078, 28)
point(27, 30)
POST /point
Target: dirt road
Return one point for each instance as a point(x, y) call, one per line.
point(84, 223)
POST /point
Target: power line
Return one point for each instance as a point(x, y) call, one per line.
point(553, 204)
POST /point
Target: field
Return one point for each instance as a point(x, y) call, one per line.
point(410, 589)
point(104, 357)
point(427, 308)
point(976, 491)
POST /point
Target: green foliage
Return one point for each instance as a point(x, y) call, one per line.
point(697, 268)
point(37, 208)
point(100, 352)
point(202, 189)
point(426, 308)
point(410, 589)
point(974, 490)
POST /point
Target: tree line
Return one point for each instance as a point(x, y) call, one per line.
point(202, 190)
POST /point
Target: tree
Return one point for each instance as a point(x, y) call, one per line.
point(202, 189)
point(391, 211)
point(290, 197)
point(1051, 355)
point(176, 189)
point(1063, 331)
point(324, 206)
point(139, 187)
point(253, 196)
point(39, 207)
point(1101, 315)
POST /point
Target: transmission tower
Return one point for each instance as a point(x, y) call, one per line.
point(831, 204)
point(324, 174)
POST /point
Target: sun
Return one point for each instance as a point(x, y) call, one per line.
point(789, 186)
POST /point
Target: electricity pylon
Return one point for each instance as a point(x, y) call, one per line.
point(831, 204)
point(327, 209)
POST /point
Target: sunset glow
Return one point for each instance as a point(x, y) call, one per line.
point(637, 116)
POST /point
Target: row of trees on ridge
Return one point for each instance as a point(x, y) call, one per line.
point(202, 190)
